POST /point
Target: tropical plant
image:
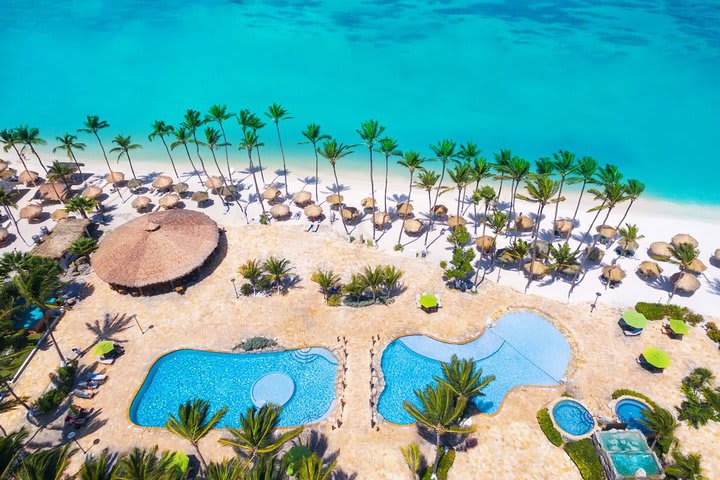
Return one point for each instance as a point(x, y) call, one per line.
point(562, 258)
point(80, 204)
point(83, 246)
point(389, 148)
point(249, 142)
point(488, 195)
point(502, 158)
point(212, 142)
point(277, 270)
point(516, 170)
point(391, 279)
point(333, 151)
point(30, 137)
point(10, 140)
point(610, 196)
point(373, 278)
point(564, 165)
point(662, 424)
point(313, 135)
point(369, 132)
point(93, 125)
point(464, 378)
point(224, 470)
point(193, 422)
point(101, 467)
point(191, 122)
point(312, 468)
point(444, 152)
point(124, 145)
point(413, 459)
point(45, 464)
point(327, 280)
point(686, 467)
point(59, 171)
point(252, 272)
point(218, 113)
point(461, 175)
point(412, 161)
point(584, 174)
point(161, 130)
point(69, 144)
point(277, 112)
point(12, 446)
point(543, 167)
point(146, 465)
point(427, 179)
point(684, 254)
point(183, 137)
point(8, 203)
point(633, 190)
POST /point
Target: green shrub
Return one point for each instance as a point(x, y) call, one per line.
point(652, 311)
point(334, 300)
point(659, 311)
point(49, 401)
point(675, 311)
point(369, 243)
point(632, 393)
point(583, 454)
point(444, 465)
point(713, 332)
point(547, 427)
point(255, 343)
point(246, 289)
point(693, 318)
point(398, 248)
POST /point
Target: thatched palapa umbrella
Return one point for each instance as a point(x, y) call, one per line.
point(4, 234)
point(349, 213)
point(524, 223)
point(162, 182)
point(685, 282)
point(440, 210)
point(696, 266)
point(613, 273)
point(454, 222)
point(134, 183)
point(279, 210)
point(368, 202)
point(380, 219)
point(115, 177)
point(594, 254)
point(8, 173)
point(629, 246)
point(59, 214)
point(52, 191)
point(92, 192)
point(302, 198)
point(405, 209)
point(214, 182)
point(563, 228)
point(649, 269)
point(607, 233)
point(413, 226)
point(28, 177)
point(485, 243)
point(31, 212)
point(140, 203)
point(180, 188)
point(661, 251)
point(271, 194)
point(3, 165)
point(199, 197)
point(536, 268)
point(334, 199)
point(169, 201)
point(681, 238)
point(313, 211)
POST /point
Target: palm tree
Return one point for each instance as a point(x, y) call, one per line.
point(183, 137)
point(12, 445)
point(256, 124)
point(412, 161)
point(7, 202)
point(562, 258)
point(444, 151)
point(250, 122)
point(502, 158)
point(80, 204)
point(369, 132)
point(686, 467)
point(225, 470)
point(373, 279)
point(277, 270)
point(684, 254)
point(633, 190)
point(463, 378)
point(45, 464)
point(218, 113)
point(461, 176)
point(388, 147)
point(629, 234)
point(427, 179)
point(612, 195)
point(252, 272)
point(488, 196)
point(276, 113)
point(313, 135)
point(191, 122)
point(101, 467)
point(390, 279)
point(470, 154)
point(194, 422)
point(516, 170)
point(160, 130)
point(662, 424)
point(327, 280)
point(265, 468)
point(544, 166)
point(58, 171)
point(69, 144)
point(312, 468)
point(481, 169)
point(564, 165)
point(30, 136)
point(10, 140)
point(413, 459)
point(333, 151)
point(145, 465)
point(496, 221)
point(83, 246)
point(256, 435)
point(93, 125)
point(585, 174)
point(212, 139)
point(124, 145)
point(250, 142)
point(440, 410)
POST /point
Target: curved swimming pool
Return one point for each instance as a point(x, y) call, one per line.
point(303, 379)
point(629, 410)
point(522, 348)
point(573, 417)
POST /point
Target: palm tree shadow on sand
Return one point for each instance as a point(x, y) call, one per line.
point(317, 443)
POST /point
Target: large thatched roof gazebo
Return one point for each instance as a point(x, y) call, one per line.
point(156, 252)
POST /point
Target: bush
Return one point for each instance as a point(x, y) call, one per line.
point(693, 318)
point(583, 454)
point(246, 289)
point(255, 343)
point(334, 300)
point(632, 393)
point(49, 401)
point(398, 248)
point(652, 311)
point(444, 465)
point(713, 332)
point(547, 427)
point(659, 311)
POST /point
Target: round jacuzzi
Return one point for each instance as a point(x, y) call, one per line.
point(572, 418)
point(629, 410)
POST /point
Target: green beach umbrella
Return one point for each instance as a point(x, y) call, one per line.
point(656, 357)
point(103, 347)
point(679, 327)
point(180, 460)
point(428, 301)
point(634, 319)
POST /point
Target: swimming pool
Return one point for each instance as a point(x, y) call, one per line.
point(522, 348)
point(626, 452)
point(303, 379)
point(573, 418)
point(629, 410)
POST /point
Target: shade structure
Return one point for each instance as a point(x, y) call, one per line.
point(660, 251)
point(649, 269)
point(428, 301)
point(542, 249)
point(413, 226)
point(454, 222)
point(606, 232)
point(681, 238)
point(225, 192)
point(92, 192)
point(440, 210)
point(679, 327)
point(656, 357)
point(380, 219)
point(181, 187)
point(685, 282)
point(368, 202)
point(31, 212)
point(271, 194)
point(524, 223)
point(199, 197)
point(634, 319)
point(27, 177)
point(594, 254)
point(279, 210)
point(214, 182)
point(169, 200)
point(571, 270)
point(313, 211)
point(536, 268)
point(695, 266)
point(156, 249)
point(115, 177)
point(628, 245)
point(4, 234)
point(349, 213)
point(3, 165)
point(613, 273)
point(140, 202)
point(52, 191)
point(134, 183)
point(103, 348)
point(334, 199)
point(59, 214)
point(485, 243)
point(8, 173)
point(404, 209)
point(302, 198)
point(162, 182)
point(716, 255)
point(563, 227)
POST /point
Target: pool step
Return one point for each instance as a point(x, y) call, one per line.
point(304, 355)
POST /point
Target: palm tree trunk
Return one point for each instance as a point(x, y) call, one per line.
point(557, 204)
point(372, 189)
point(337, 183)
point(32, 149)
point(132, 170)
point(260, 167)
point(197, 152)
point(485, 219)
point(513, 191)
point(77, 165)
point(192, 164)
point(500, 189)
point(217, 165)
point(107, 162)
point(625, 215)
point(387, 167)
point(534, 249)
point(437, 194)
point(200, 456)
point(57, 347)
point(257, 189)
point(592, 224)
point(227, 156)
point(22, 159)
point(282, 153)
point(475, 215)
point(577, 208)
point(402, 228)
point(317, 173)
point(437, 453)
point(172, 162)
point(14, 220)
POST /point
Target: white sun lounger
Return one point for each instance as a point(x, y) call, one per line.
point(96, 377)
point(83, 394)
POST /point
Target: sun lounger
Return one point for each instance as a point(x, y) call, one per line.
point(317, 226)
point(83, 394)
point(106, 361)
point(632, 333)
point(97, 377)
point(92, 385)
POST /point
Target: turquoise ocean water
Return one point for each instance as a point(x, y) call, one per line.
point(632, 82)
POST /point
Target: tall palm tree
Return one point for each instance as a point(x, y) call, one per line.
point(584, 174)
point(191, 122)
point(250, 122)
point(372, 278)
point(684, 254)
point(313, 135)
point(69, 144)
point(256, 435)
point(427, 179)
point(440, 411)
point(8, 203)
point(183, 137)
point(161, 130)
point(562, 258)
point(212, 142)
point(612, 195)
point(633, 190)
point(58, 171)
point(516, 171)
point(193, 422)
point(101, 467)
point(124, 145)
point(256, 124)
point(444, 151)
point(10, 140)
point(333, 151)
point(662, 424)
point(250, 142)
point(488, 196)
point(369, 132)
point(544, 166)
point(564, 165)
point(145, 465)
point(481, 169)
point(413, 459)
point(327, 280)
point(686, 467)
point(469, 153)
point(277, 112)
point(312, 468)
point(218, 113)
point(502, 158)
point(45, 464)
point(389, 148)
point(464, 378)
point(461, 175)
point(93, 125)
point(30, 136)
point(80, 204)
point(277, 270)
point(412, 161)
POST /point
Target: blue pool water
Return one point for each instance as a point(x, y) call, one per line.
point(573, 417)
point(28, 317)
point(628, 451)
point(522, 348)
point(629, 411)
point(632, 82)
point(226, 379)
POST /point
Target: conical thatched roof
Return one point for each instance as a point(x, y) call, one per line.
point(685, 282)
point(536, 268)
point(3, 165)
point(92, 192)
point(716, 255)
point(313, 211)
point(404, 209)
point(4, 234)
point(649, 269)
point(454, 221)
point(181, 187)
point(485, 243)
point(140, 202)
point(380, 219)
point(214, 182)
point(607, 232)
point(696, 266)
point(7, 173)
point(334, 199)
point(542, 249)
point(660, 251)
point(134, 183)
point(613, 273)
point(681, 238)
point(225, 192)
point(115, 177)
point(59, 214)
point(199, 197)
point(279, 210)
point(524, 223)
point(169, 200)
point(413, 226)
point(628, 245)
point(270, 194)
point(27, 177)
point(52, 191)
point(594, 254)
point(162, 182)
point(302, 198)
point(368, 202)
point(156, 248)
point(31, 211)
point(349, 213)
point(563, 228)
point(440, 210)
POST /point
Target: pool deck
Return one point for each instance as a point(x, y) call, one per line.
point(208, 316)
